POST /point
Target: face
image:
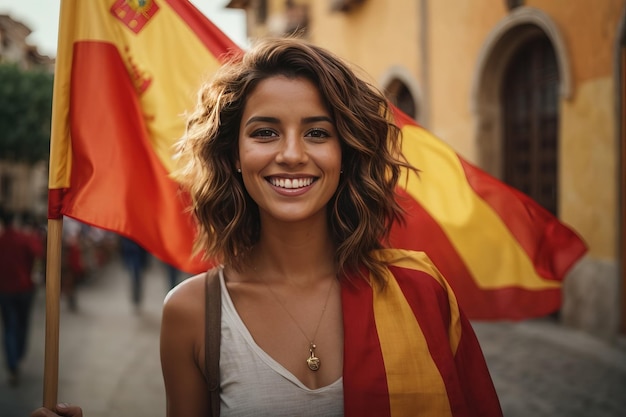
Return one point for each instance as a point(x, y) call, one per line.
point(289, 150)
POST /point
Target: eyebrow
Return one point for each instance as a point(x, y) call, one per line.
point(274, 120)
point(314, 119)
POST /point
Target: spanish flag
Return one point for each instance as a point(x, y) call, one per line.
point(504, 255)
point(127, 72)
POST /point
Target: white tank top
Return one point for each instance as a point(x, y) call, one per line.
point(253, 384)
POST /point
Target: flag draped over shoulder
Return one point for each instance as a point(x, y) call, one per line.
point(504, 255)
point(126, 72)
point(415, 316)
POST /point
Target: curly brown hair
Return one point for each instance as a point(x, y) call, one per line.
point(365, 204)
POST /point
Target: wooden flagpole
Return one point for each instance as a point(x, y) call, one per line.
point(53, 295)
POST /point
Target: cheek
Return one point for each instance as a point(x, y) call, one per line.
point(251, 162)
point(248, 156)
point(333, 158)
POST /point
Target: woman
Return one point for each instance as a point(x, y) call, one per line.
point(292, 161)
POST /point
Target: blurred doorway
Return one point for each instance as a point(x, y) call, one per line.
point(531, 122)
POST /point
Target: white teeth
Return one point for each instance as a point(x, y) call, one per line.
point(291, 183)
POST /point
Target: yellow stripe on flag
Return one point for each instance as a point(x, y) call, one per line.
point(400, 338)
point(468, 221)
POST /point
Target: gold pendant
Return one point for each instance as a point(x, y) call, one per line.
point(313, 361)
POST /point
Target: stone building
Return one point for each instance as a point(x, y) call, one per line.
point(23, 187)
point(15, 48)
point(531, 91)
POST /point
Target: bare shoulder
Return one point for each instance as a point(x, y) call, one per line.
point(185, 302)
point(190, 290)
point(182, 348)
point(182, 321)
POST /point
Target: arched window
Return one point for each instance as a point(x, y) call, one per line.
point(531, 122)
point(398, 93)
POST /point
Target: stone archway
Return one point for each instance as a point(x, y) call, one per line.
point(521, 25)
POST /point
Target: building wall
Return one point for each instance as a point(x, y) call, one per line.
point(452, 55)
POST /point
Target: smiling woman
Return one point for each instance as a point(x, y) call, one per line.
point(305, 112)
point(292, 162)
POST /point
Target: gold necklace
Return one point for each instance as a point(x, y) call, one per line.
point(313, 362)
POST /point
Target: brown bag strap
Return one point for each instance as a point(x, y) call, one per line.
point(212, 334)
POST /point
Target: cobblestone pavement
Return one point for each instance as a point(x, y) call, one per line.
point(543, 369)
point(109, 359)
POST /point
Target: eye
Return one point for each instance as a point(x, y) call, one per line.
point(263, 133)
point(317, 133)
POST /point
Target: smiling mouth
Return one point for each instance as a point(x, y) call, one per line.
point(291, 183)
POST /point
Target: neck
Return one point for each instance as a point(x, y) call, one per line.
point(299, 258)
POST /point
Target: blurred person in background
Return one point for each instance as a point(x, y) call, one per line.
point(173, 275)
point(36, 228)
point(135, 259)
point(18, 253)
point(72, 262)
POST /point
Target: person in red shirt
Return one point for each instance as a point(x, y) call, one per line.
point(18, 253)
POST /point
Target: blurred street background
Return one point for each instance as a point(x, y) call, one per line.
point(109, 360)
point(531, 92)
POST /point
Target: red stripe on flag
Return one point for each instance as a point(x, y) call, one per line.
point(470, 363)
point(422, 233)
point(55, 203)
point(117, 181)
point(364, 378)
point(464, 372)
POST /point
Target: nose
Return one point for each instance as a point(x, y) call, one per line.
point(292, 150)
